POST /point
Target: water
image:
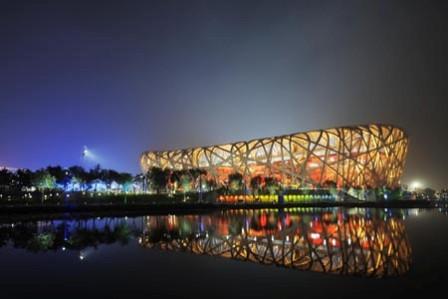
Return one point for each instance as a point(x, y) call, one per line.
point(239, 253)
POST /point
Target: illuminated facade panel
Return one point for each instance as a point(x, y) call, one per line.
point(366, 155)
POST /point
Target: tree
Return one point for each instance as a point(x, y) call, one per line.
point(175, 178)
point(185, 181)
point(211, 184)
point(196, 175)
point(272, 185)
point(95, 173)
point(158, 178)
point(429, 193)
point(125, 180)
point(255, 184)
point(108, 176)
point(79, 175)
point(396, 193)
point(43, 180)
point(58, 173)
point(79, 172)
point(329, 184)
point(235, 181)
point(6, 178)
point(24, 178)
point(140, 181)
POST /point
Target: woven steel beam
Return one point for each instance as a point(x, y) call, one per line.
point(356, 156)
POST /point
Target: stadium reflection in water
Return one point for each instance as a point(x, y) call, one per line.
point(338, 242)
point(371, 243)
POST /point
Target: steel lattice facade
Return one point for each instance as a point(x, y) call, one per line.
point(366, 155)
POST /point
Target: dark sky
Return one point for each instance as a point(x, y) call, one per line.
point(125, 76)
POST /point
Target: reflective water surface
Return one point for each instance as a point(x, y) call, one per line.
point(237, 253)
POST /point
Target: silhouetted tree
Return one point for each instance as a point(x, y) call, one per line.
point(24, 178)
point(255, 183)
point(211, 184)
point(125, 180)
point(79, 173)
point(58, 173)
point(175, 178)
point(95, 173)
point(6, 178)
point(158, 178)
point(329, 184)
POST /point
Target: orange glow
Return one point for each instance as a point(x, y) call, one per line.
point(367, 155)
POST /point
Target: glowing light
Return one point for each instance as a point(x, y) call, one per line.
point(85, 152)
point(88, 155)
point(416, 185)
point(251, 157)
point(315, 236)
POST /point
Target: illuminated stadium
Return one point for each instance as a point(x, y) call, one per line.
point(353, 156)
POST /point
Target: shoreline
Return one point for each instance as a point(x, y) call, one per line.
point(200, 207)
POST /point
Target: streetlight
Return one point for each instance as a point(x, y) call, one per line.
point(416, 185)
point(85, 152)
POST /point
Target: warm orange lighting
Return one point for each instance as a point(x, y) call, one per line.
point(367, 155)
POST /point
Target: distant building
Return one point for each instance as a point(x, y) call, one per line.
point(355, 156)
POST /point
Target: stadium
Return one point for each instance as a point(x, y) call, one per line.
point(353, 156)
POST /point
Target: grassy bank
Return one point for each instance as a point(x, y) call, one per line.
point(145, 204)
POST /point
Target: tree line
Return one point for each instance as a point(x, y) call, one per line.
point(156, 180)
point(57, 177)
point(163, 181)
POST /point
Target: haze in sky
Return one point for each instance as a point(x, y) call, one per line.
point(126, 76)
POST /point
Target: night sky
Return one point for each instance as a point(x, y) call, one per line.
point(125, 76)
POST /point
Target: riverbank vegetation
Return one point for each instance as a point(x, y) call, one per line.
point(55, 185)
